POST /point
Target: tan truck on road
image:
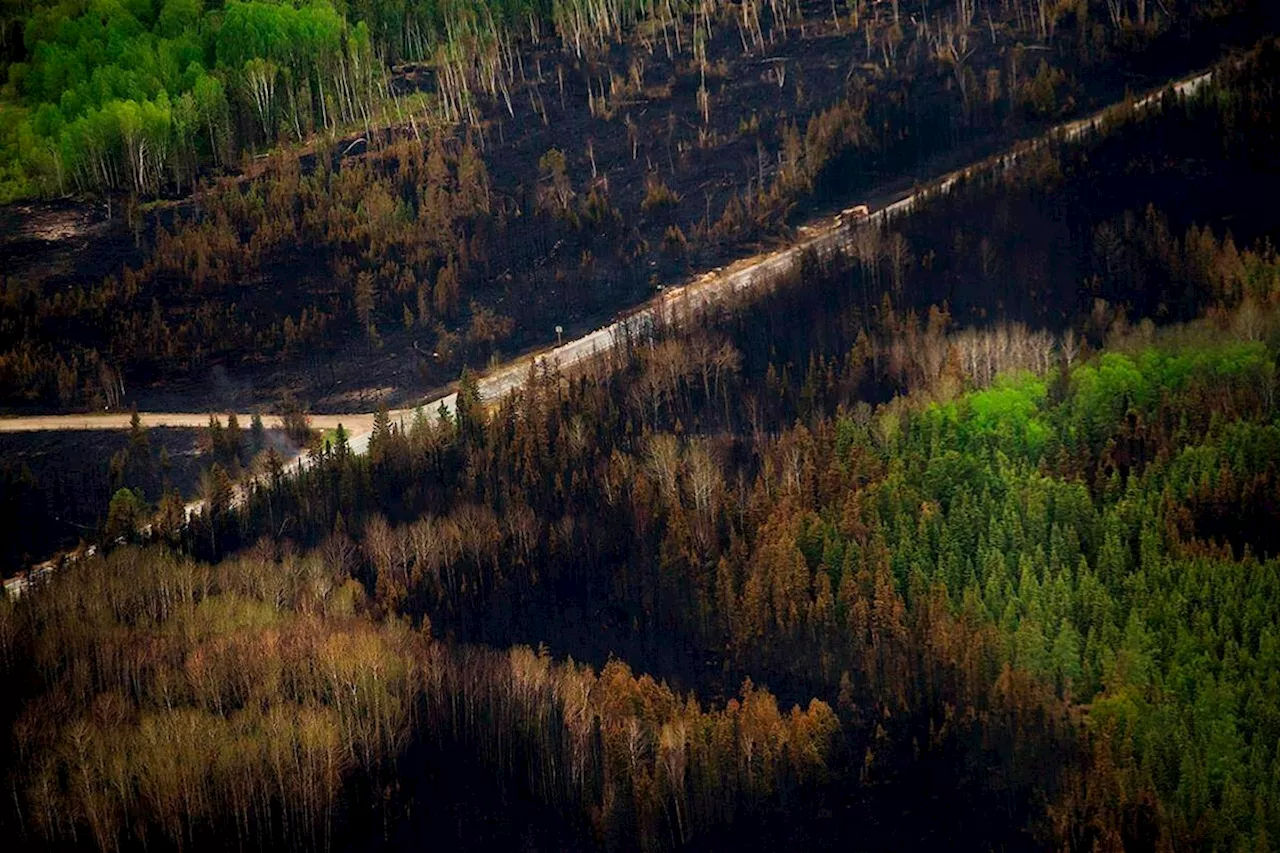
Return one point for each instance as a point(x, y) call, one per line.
point(853, 214)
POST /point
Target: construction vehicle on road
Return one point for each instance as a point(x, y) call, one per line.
point(849, 215)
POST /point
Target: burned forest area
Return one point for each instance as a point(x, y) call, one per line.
point(372, 266)
point(639, 425)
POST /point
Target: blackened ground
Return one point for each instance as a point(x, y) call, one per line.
point(536, 274)
point(55, 486)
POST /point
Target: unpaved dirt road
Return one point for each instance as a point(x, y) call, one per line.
point(189, 420)
point(824, 238)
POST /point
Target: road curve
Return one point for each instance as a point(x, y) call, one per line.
point(823, 238)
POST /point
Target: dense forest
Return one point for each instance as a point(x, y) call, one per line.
point(529, 168)
point(965, 538)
